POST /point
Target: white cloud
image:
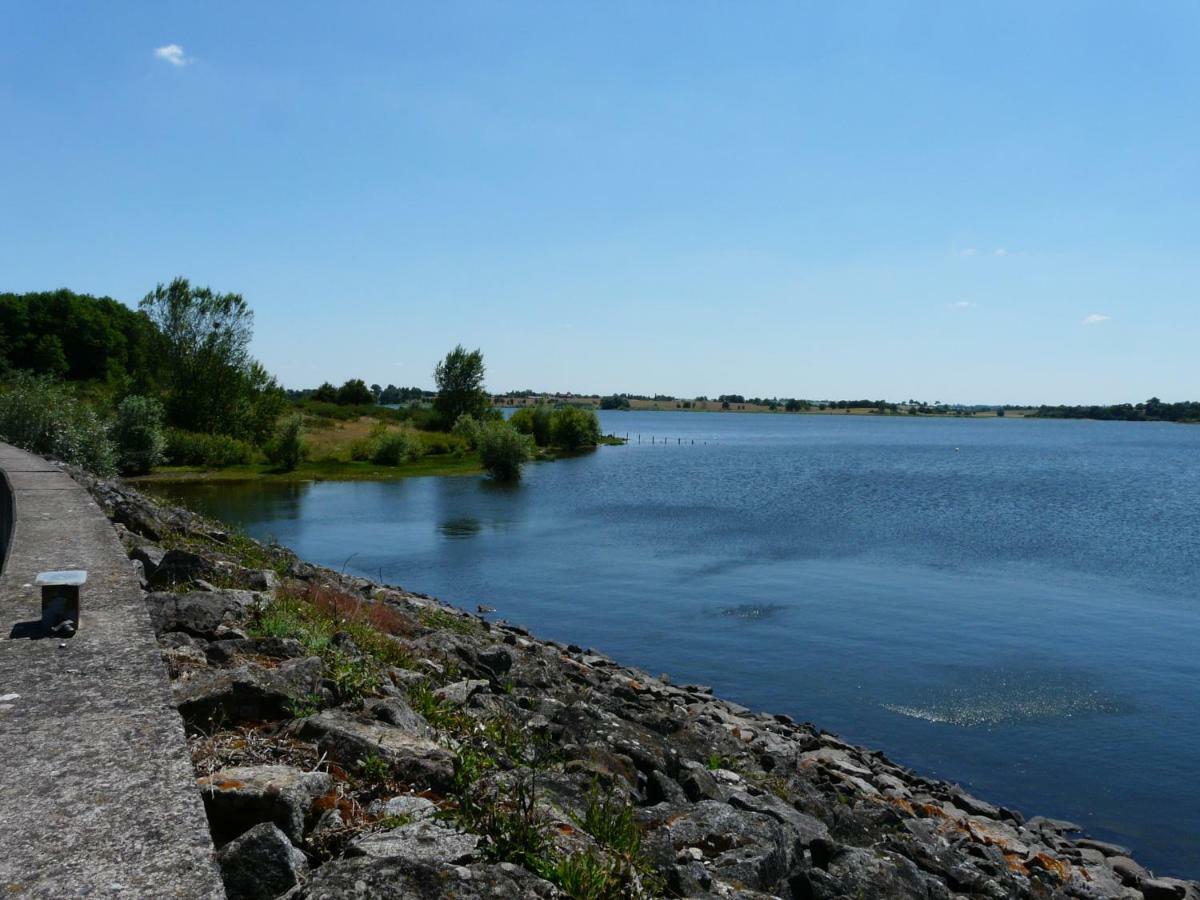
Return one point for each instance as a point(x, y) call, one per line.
point(1095, 319)
point(962, 304)
point(1000, 251)
point(173, 54)
point(967, 251)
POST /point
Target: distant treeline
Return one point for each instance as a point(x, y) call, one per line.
point(355, 392)
point(1153, 410)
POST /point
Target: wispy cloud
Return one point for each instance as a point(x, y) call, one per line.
point(173, 54)
point(962, 304)
point(1095, 319)
point(1000, 251)
point(967, 251)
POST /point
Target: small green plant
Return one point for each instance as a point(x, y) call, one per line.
point(353, 677)
point(717, 761)
point(584, 875)
point(138, 435)
point(444, 620)
point(390, 822)
point(374, 769)
point(286, 449)
point(303, 707)
point(610, 822)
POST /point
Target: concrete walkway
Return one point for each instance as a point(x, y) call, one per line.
point(97, 793)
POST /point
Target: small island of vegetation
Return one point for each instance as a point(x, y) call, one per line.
point(170, 391)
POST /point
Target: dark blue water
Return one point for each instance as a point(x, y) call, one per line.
point(1011, 604)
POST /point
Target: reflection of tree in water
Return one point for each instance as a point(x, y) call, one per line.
point(463, 527)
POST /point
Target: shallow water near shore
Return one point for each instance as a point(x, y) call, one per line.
point(1007, 603)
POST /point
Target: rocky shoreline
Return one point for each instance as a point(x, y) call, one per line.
point(352, 739)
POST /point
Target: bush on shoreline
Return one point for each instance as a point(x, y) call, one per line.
point(503, 450)
point(43, 416)
point(138, 434)
point(215, 451)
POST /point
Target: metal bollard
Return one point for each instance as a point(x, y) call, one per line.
point(60, 601)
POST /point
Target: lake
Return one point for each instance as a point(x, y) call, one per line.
point(1011, 604)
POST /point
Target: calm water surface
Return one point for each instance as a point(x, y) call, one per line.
point(1010, 604)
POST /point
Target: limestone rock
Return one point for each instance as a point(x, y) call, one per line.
point(421, 841)
point(250, 693)
point(238, 798)
point(348, 738)
point(260, 864)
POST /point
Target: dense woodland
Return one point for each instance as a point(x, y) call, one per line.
point(1153, 410)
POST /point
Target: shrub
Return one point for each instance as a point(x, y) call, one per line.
point(440, 442)
point(467, 428)
point(535, 421)
point(43, 416)
point(189, 448)
point(503, 450)
point(396, 447)
point(286, 449)
point(138, 434)
point(574, 428)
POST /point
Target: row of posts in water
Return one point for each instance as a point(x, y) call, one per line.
point(663, 440)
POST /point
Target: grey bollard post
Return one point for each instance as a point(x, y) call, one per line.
point(60, 601)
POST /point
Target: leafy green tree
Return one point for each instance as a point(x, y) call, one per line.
point(138, 434)
point(326, 393)
point(355, 393)
point(535, 421)
point(459, 379)
point(44, 416)
point(573, 428)
point(503, 450)
point(49, 357)
point(214, 385)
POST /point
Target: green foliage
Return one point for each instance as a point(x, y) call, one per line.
point(535, 421)
point(44, 416)
point(459, 379)
point(214, 385)
point(444, 620)
point(188, 448)
point(610, 822)
point(286, 449)
point(79, 337)
point(302, 708)
point(393, 448)
point(503, 450)
point(466, 427)
point(355, 393)
point(584, 875)
point(573, 428)
point(326, 393)
point(138, 434)
point(374, 768)
point(615, 401)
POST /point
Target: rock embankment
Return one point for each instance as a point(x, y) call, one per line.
point(355, 740)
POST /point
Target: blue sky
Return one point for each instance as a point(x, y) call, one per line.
point(967, 202)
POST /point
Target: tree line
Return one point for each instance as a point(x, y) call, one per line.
point(1153, 410)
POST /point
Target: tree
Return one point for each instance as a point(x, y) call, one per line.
point(503, 450)
point(214, 385)
point(355, 393)
point(535, 421)
point(574, 428)
point(49, 358)
point(326, 393)
point(287, 449)
point(459, 379)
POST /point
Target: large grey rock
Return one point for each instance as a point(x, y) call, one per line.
point(348, 738)
point(250, 693)
point(855, 872)
point(735, 846)
point(260, 864)
point(181, 567)
point(460, 692)
point(399, 879)
point(204, 614)
point(238, 798)
point(422, 841)
point(806, 828)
